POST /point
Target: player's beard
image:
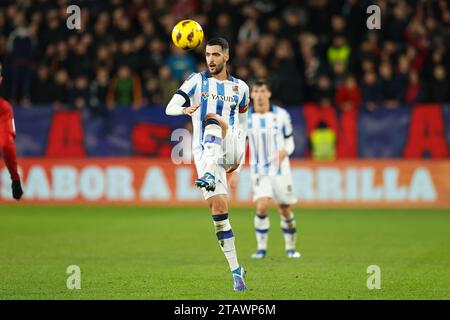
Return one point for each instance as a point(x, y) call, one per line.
point(219, 68)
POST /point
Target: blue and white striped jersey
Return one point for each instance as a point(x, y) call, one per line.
point(269, 133)
point(226, 98)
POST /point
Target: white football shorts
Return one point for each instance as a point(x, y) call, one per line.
point(277, 187)
point(233, 149)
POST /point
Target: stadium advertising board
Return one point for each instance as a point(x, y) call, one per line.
point(139, 181)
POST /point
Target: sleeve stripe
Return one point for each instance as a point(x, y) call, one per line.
point(185, 96)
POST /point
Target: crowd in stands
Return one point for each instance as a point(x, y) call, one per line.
point(312, 51)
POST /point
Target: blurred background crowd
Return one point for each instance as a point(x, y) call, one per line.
point(312, 51)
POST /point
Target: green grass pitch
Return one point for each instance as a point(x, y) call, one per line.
point(172, 253)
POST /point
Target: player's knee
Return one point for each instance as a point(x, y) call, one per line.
point(285, 210)
point(212, 118)
point(262, 207)
point(218, 206)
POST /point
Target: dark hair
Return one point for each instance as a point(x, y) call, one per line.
point(223, 43)
point(322, 125)
point(261, 82)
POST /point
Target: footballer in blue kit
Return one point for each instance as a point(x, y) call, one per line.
point(217, 103)
point(271, 143)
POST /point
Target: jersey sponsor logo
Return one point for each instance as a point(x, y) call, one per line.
point(222, 98)
point(213, 96)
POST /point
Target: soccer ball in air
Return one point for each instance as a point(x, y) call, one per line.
point(187, 34)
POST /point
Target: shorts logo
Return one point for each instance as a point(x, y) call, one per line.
point(205, 95)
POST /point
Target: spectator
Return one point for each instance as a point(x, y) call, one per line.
point(103, 58)
point(265, 47)
point(60, 91)
point(180, 63)
point(323, 142)
point(439, 88)
point(124, 90)
point(292, 21)
point(241, 54)
point(101, 26)
point(170, 84)
point(391, 88)
point(273, 26)
point(126, 55)
point(79, 61)
point(418, 41)
point(402, 76)
point(371, 91)
point(20, 45)
point(53, 31)
point(79, 93)
point(249, 32)
point(98, 89)
point(348, 95)
point(288, 80)
point(154, 57)
point(339, 51)
point(152, 92)
point(41, 93)
point(184, 8)
point(242, 72)
point(224, 28)
point(312, 66)
point(323, 93)
point(339, 72)
point(414, 90)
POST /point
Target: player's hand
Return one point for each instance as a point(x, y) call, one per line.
point(190, 110)
point(17, 190)
point(232, 168)
point(280, 156)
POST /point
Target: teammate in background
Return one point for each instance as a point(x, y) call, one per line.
point(217, 103)
point(271, 143)
point(7, 147)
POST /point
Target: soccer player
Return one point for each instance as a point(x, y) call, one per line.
point(7, 147)
point(271, 143)
point(217, 103)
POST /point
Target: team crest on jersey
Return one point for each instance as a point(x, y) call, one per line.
point(236, 88)
point(205, 95)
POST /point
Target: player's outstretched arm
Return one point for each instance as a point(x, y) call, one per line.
point(8, 150)
point(181, 100)
point(175, 107)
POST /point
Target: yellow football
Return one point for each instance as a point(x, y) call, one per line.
point(187, 34)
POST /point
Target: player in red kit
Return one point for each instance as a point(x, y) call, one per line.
point(7, 146)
